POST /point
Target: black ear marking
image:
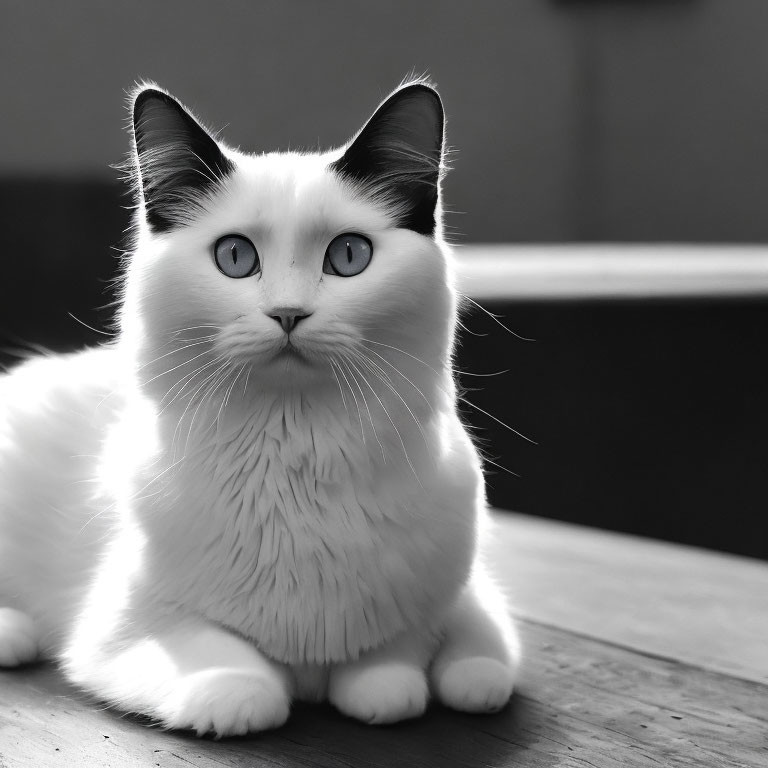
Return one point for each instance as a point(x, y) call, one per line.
point(178, 162)
point(397, 156)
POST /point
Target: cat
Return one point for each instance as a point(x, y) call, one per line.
point(261, 491)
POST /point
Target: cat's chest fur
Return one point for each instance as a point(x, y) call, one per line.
point(286, 528)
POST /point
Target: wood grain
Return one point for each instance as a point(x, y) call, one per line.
point(705, 608)
point(580, 702)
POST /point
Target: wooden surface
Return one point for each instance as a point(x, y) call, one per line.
point(637, 654)
point(704, 608)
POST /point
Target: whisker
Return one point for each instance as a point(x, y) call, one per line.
point(402, 351)
point(468, 373)
point(90, 327)
point(200, 388)
point(407, 407)
point(496, 320)
point(397, 432)
point(498, 421)
point(176, 367)
point(466, 330)
point(229, 392)
point(187, 379)
point(341, 391)
point(372, 363)
point(354, 397)
point(398, 371)
point(133, 496)
point(486, 460)
point(195, 328)
point(195, 343)
point(247, 375)
point(370, 417)
point(226, 370)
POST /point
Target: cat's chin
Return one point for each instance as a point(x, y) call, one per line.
point(289, 367)
point(290, 353)
point(291, 359)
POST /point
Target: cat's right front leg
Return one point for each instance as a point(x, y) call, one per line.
point(193, 675)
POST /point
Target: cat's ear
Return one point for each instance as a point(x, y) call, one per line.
point(177, 161)
point(397, 156)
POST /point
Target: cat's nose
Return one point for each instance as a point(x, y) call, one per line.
point(288, 317)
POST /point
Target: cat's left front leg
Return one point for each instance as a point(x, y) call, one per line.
point(385, 685)
point(476, 666)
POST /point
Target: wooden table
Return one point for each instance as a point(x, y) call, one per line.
point(638, 653)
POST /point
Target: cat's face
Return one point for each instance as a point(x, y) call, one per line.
point(292, 267)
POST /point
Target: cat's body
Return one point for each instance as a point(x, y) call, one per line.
point(220, 512)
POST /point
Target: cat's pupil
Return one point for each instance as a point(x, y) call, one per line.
point(347, 255)
point(236, 256)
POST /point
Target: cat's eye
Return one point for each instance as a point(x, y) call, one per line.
point(347, 255)
point(236, 256)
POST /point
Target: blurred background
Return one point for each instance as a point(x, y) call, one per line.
point(583, 129)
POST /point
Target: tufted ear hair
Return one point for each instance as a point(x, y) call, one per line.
point(397, 156)
point(177, 161)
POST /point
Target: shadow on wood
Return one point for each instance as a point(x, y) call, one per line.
point(580, 701)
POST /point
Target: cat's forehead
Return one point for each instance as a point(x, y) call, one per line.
point(296, 193)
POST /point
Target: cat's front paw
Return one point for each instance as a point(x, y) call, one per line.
point(226, 703)
point(381, 694)
point(18, 638)
point(477, 684)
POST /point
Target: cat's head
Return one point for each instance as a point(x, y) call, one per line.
point(294, 267)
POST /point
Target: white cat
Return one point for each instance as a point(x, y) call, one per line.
point(262, 489)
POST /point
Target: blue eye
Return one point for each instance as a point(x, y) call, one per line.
point(347, 255)
point(236, 256)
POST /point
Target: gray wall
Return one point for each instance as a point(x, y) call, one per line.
point(573, 120)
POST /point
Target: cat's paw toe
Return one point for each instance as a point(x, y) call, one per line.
point(382, 694)
point(18, 638)
point(476, 684)
point(227, 703)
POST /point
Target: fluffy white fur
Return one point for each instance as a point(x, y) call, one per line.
point(201, 529)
